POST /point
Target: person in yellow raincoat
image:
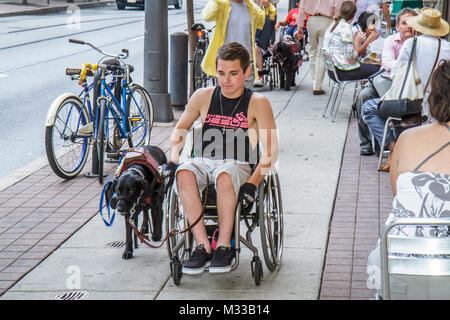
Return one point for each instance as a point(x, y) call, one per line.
point(234, 27)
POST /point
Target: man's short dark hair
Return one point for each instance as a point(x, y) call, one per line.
point(233, 51)
point(403, 12)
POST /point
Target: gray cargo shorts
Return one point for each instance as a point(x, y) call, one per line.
point(203, 167)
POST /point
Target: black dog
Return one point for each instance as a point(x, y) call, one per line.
point(138, 189)
point(287, 53)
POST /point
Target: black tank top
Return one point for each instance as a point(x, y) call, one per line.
point(225, 129)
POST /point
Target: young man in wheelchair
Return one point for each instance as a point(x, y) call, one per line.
point(234, 119)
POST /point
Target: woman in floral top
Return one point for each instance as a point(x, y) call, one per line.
point(420, 174)
point(344, 49)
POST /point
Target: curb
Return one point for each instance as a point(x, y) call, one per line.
point(57, 8)
point(20, 174)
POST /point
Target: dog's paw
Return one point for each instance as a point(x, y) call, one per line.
point(127, 254)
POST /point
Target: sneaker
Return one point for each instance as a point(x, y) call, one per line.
point(258, 82)
point(222, 260)
point(199, 260)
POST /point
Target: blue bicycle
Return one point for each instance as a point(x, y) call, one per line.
point(120, 117)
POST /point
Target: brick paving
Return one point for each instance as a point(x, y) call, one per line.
point(362, 204)
point(40, 212)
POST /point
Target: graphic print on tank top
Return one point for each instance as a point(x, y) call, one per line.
point(225, 129)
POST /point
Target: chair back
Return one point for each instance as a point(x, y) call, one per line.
point(329, 64)
point(418, 262)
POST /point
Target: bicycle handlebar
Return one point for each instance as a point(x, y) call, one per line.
point(122, 55)
point(76, 41)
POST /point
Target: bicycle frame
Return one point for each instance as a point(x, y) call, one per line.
point(105, 93)
point(119, 110)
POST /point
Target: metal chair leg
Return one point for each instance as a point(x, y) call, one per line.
point(386, 128)
point(339, 101)
point(333, 105)
point(328, 103)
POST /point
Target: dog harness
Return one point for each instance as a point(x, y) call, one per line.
point(129, 158)
point(138, 156)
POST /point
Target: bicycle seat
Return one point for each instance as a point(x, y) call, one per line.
point(197, 26)
point(111, 62)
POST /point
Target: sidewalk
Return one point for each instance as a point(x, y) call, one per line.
point(15, 7)
point(332, 221)
point(363, 202)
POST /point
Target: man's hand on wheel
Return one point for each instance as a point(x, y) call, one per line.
point(246, 196)
point(168, 171)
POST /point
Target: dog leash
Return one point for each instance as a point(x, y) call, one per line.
point(145, 239)
point(111, 219)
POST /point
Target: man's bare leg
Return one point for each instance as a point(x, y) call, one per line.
point(226, 205)
point(190, 199)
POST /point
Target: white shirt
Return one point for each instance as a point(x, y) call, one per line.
point(426, 51)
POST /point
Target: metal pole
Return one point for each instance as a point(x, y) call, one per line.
point(292, 4)
point(179, 68)
point(156, 55)
point(192, 42)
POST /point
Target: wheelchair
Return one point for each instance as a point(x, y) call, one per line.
point(271, 69)
point(267, 214)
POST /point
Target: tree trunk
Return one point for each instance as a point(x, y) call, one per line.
point(192, 42)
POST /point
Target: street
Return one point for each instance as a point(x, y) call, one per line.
point(35, 52)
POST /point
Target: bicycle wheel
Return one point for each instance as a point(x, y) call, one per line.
point(101, 139)
point(67, 139)
point(139, 110)
point(198, 78)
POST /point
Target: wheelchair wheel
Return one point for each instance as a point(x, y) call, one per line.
point(257, 270)
point(178, 246)
point(274, 70)
point(271, 220)
point(176, 270)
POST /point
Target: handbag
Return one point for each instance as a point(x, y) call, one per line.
point(405, 96)
point(381, 84)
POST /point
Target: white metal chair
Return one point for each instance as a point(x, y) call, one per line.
point(383, 152)
point(337, 84)
point(401, 124)
point(421, 277)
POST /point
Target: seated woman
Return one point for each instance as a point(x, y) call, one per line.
point(367, 24)
point(420, 168)
point(338, 40)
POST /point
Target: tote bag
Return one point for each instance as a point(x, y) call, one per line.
point(405, 96)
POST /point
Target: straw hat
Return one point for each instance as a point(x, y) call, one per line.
point(429, 22)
